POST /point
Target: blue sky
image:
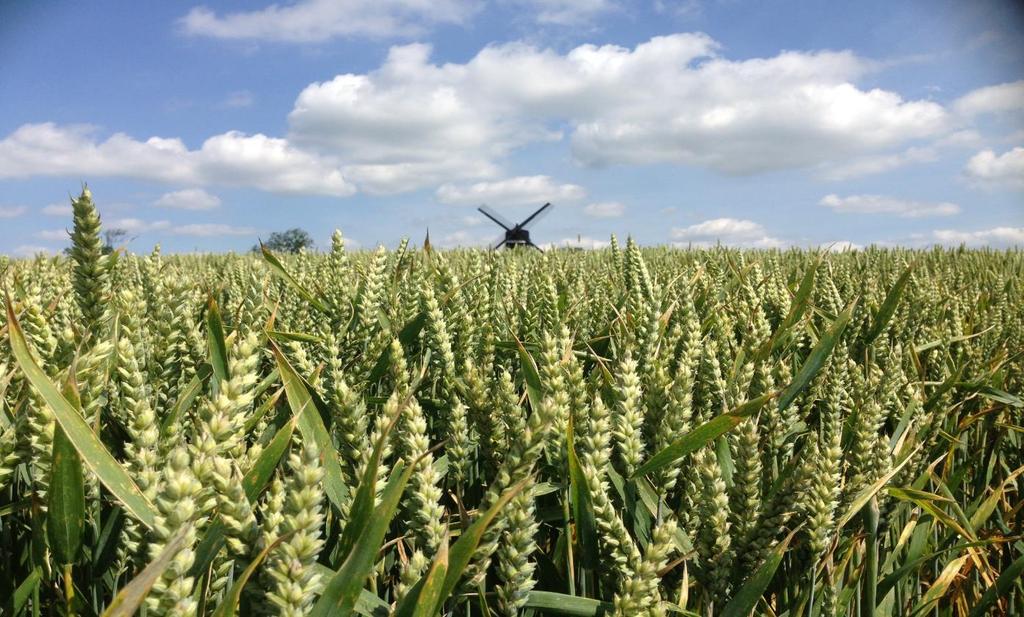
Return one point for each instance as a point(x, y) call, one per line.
point(205, 126)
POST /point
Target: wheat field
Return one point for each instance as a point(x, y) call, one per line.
point(629, 431)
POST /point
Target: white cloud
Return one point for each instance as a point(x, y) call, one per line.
point(414, 123)
point(464, 237)
point(881, 204)
point(583, 242)
point(518, 191)
point(672, 99)
point(992, 99)
point(232, 158)
point(60, 209)
point(188, 199)
point(1006, 170)
point(52, 234)
point(238, 100)
point(136, 226)
point(212, 229)
point(402, 176)
point(998, 237)
point(31, 250)
point(879, 163)
point(605, 210)
point(10, 212)
point(351, 244)
point(841, 245)
point(742, 117)
point(728, 231)
point(320, 20)
point(566, 12)
point(680, 9)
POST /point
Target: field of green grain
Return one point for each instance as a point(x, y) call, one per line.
point(630, 431)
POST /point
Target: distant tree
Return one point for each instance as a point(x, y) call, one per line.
point(291, 241)
point(111, 237)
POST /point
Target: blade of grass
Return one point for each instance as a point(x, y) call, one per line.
point(869, 491)
point(131, 595)
point(186, 398)
point(78, 431)
point(253, 483)
point(217, 348)
point(421, 599)
point(702, 435)
point(311, 425)
point(534, 390)
point(342, 590)
point(796, 311)
point(1010, 576)
point(940, 586)
point(25, 590)
point(229, 604)
point(582, 507)
point(888, 308)
point(869, 583)
point(364, 532)
point(65, 516)
point(552, 603)
point(278, 268)
point(817, 358)
point(462, 551)
point(746, 598)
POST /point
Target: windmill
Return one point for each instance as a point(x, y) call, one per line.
point(517, 234)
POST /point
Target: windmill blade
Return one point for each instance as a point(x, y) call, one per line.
point(530, 242)
point(536, 216)
point(494, 216)
point(498, 242)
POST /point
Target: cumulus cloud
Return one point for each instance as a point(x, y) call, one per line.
point(31, 250)
point(997, 237)
point(414, 123)
point(879, 163)
point(840, 246)
point(52, 234)
point(881, 204)
point(309, 21)
point(136, 226)
point(566, 12)
point(232, 158)
point(671, 99)
point(57, 210)
point(605, 210)
point(464, 237)
point(992, 170)
point(10, 212)
point(212, 229)
point(238, 100)
point(518, 191)
point(728, 231)
point(188, 199)
point(583, 242)
point(992, 99)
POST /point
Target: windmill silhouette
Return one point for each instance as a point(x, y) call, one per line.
point(516, 234)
